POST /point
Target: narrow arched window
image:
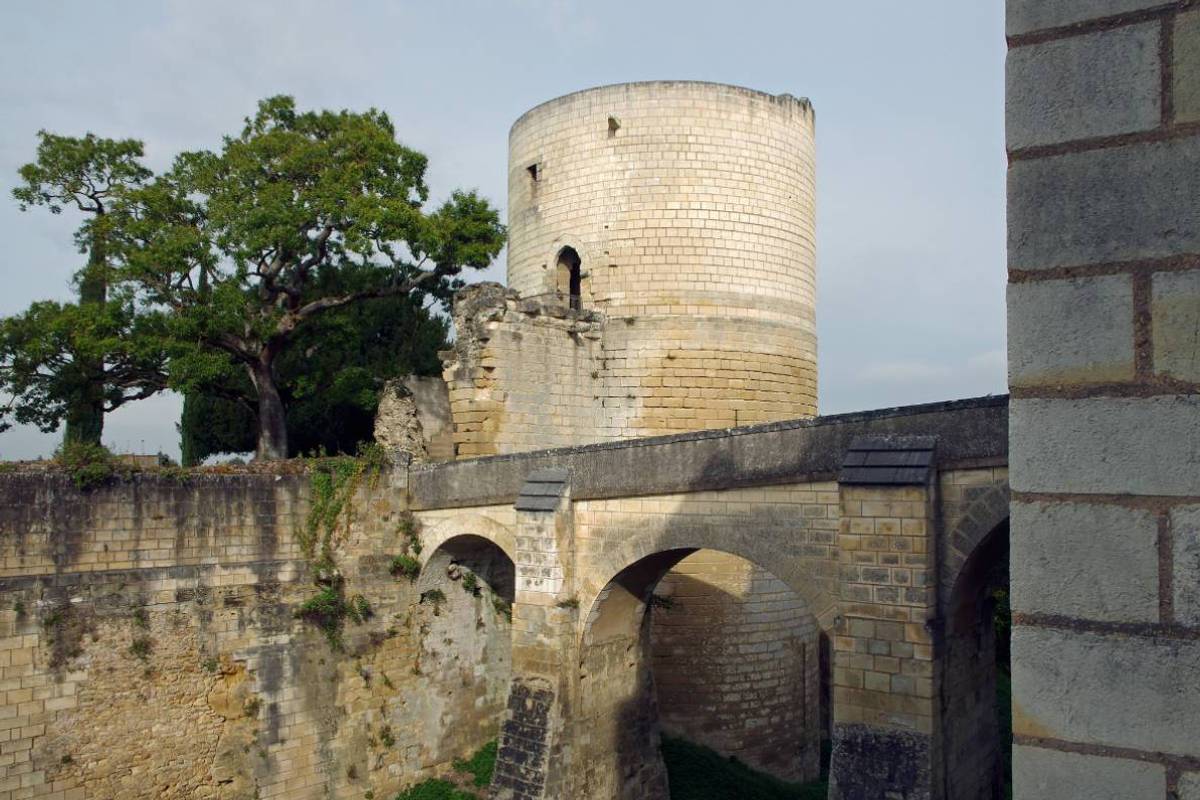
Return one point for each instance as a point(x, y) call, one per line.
point(570, 276)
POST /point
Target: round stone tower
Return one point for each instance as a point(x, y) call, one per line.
point(684, 212)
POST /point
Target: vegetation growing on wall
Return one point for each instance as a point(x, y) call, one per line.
point(334, 482)
point(471, 778)
point(89, 465)
point(330, 608)
point(407, 564)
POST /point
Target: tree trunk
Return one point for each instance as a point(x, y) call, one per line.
point(272, 420)
point(85, 416)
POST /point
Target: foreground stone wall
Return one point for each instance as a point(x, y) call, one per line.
point(149, 647)
point(1104, 365)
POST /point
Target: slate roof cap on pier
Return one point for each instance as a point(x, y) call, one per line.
point(888, 460)
point(542, 490)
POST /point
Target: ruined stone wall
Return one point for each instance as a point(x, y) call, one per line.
point(524, 375)
point(149, 646)
point(1104, 309)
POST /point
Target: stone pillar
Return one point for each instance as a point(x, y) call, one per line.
point(531, 750)
point(886, 738)
point(1104, 368)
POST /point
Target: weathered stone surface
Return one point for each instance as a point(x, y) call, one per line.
point(1040, 774)
point(1189, 786)
point(1185, 528)
point(1026, 16)
point(1137, 692)
point(1101, 84)
point(397, 426)
point(1185, 71)
point(1116, 204)
point(1060, 569)
point(1107, 445)
point(1052, 336)
point(869, 761)
point(1175, 311)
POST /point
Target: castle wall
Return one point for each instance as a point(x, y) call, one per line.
point(149, 647)
point(1104, 309)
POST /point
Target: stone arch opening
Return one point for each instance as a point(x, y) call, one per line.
point(569, 276)
point(463, 620)
point(976, 709)
point(706, 646)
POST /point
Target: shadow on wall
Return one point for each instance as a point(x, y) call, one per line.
point(736, 659)
point(465, 619)
point(977, 728)
point(709, 646)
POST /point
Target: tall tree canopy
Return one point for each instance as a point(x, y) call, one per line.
point(301, 214)
point(71, 363)
point(330, 377)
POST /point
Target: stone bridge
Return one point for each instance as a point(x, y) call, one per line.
point(886, 528)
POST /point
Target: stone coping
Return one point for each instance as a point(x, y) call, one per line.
point(970, 432)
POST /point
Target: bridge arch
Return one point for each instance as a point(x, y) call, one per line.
point(984, 514)
point(434, 536)
point(974, 654)
point(758, 656)
point(813, 579)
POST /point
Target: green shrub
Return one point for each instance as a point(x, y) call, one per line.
point(141, 647)
point(481, 765)
point(328, 609)
point(89, 465)
point(405, 566)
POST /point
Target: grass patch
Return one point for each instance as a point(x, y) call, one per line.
point(481, 765)
point(435, 789)
point(697, 773)
point(1004, 718)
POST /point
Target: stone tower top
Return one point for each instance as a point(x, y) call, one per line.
point(688, 207)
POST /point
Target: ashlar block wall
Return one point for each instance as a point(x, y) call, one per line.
point(1104, 364)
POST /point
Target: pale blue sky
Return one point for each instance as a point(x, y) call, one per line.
point(908, 98)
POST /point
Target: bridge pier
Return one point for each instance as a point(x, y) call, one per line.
point(886, 720)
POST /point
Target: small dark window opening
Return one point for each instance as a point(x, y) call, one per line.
point(568, 261)
point(532, 169)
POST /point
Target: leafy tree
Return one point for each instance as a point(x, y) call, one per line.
point(73, 383)
point(238, 243)
point(54, 354)
point(330, 376)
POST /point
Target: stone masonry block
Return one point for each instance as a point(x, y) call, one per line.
point(1101, 84)
point(1089, 561)
point(1138, 692)
point(1185, 527)
point(1175, 312)
point(1026, 16)
point(1189, 786)
point(1186, 67)
point(1117, 204)
point(1106, 445)
point(1054, 338)
point(1052, 775)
